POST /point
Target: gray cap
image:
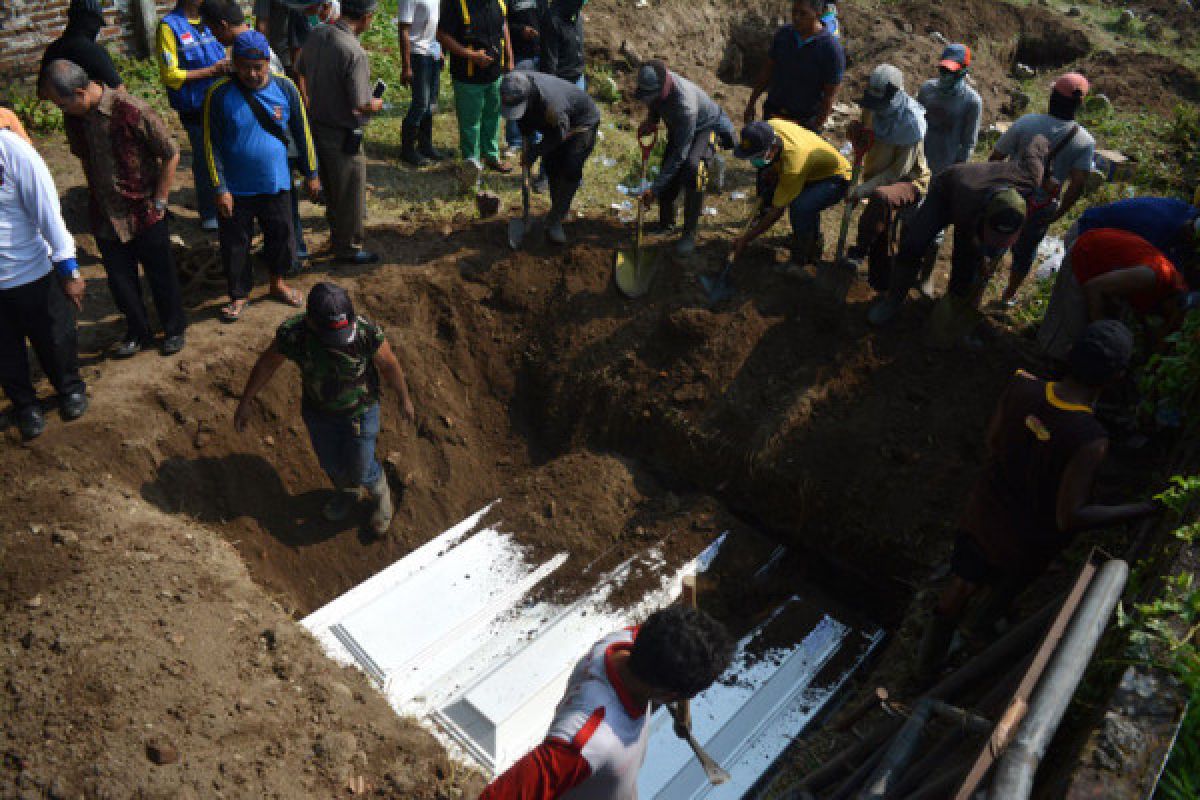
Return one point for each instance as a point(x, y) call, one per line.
point(515, 88)
point(882, 86)
point(650, 80)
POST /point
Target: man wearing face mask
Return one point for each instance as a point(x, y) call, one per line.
point(803, 70)
point(985, 202)
point(952, 110)
point(798, 172)
point(1069, 161)
point(696, 126)
point(894, 172)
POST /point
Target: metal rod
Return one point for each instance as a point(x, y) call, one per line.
point(899, 752)
point(832, 768)
point(858, 776)
point(1015, 771)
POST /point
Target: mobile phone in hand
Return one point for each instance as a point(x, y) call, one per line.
point(380, 88)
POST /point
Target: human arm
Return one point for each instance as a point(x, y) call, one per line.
point(302, 136)
point(38, 197)
point(969, 132)
point(1117, 283)
point(391, 371)
point(902, 163)
point(405, 14)
point(212, 122)
point(547, 772)
point(170, 73)
point(160, 142)
point(766, 220)
point(359, 87)
point(760, 84)
point(825, 107)
point(1075, 185)
point(682, 130)
point(1073, 511)
point(508, 51)
point(264, 369)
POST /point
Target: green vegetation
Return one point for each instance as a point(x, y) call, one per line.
point(38, 116)
point(1169, 382)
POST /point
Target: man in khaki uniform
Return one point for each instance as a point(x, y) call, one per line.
point(337, 77)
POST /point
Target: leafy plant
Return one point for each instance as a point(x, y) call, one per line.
point(38, 116)
point(1170, 379)
point(1180, 493)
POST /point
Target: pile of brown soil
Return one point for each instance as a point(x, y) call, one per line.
point(1142, 81)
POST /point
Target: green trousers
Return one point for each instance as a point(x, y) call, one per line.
point(478, 108)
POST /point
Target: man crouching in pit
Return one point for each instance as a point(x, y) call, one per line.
point(341, 356)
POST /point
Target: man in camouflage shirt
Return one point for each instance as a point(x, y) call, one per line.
point(341, 357)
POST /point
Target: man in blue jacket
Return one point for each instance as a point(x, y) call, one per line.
point(190, 60)
point(1166, 223)
point(249, 120)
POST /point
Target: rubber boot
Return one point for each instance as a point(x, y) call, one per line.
point(931, 653)
point(425, 141)
point(886, 310)
point(561, 196)
point(693, 205)
point(666, 218)
point(339, 506)
point(381, 515)
point(408, 148)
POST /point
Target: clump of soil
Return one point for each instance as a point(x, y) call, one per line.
point(1142, 80)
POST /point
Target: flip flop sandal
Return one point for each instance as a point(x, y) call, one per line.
point(231, 313)
point(291, 297)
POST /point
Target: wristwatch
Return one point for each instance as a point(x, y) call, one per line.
point(160, 205)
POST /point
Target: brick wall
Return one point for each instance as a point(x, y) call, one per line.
point(27, 26)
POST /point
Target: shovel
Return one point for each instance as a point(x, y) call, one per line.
point(633, 271)
point(517, 227)
point(718, 287)
point(953, 318)
point(836, 279)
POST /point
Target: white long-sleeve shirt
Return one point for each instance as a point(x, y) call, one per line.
point(32, 231)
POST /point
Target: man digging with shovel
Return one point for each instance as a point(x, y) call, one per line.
point(567, 120)
point(798, 172)
point(696, 126)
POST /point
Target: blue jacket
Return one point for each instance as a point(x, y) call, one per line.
point(241, 156)
point(1158, 220)
point(195, 48)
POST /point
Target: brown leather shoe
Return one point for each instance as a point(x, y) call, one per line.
point(496, 165)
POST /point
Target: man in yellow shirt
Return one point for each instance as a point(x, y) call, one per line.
point(190, 60)
point(799, 172)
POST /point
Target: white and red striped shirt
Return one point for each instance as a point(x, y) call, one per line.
point(596, 743)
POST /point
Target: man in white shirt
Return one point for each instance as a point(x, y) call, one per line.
point(416, 27)
point(597, 742)
point(34, 304)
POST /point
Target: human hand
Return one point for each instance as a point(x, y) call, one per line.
point(375, 105)
point(480, 58)
point(647, 197)
point(224, 204)
point(529, 33)
point(312, 186)
point(75, 289)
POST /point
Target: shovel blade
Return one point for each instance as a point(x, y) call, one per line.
point(516, 233)
point(633, 272)
point(951, 320)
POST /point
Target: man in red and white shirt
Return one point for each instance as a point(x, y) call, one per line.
point(597, 741)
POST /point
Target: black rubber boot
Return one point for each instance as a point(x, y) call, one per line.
point(561, 195)
point(408, 148)
point(931, 653)
point(425, 141)
point(693, 205)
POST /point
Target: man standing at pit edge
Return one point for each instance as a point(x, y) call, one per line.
point(341, 356)
point(597, 742)
point(34, 303)
point(803, 70)
point(337, 76)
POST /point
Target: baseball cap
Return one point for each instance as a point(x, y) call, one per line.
point(515, 88)
point(331, 314)
point(251, 45)
point(955, 57)
point(882, 86)
point(651, 79)
point(1101, 353)
point(1003, 217)
point(756, 138)
point(1072, 84)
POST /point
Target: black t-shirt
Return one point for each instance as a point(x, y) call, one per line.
point(485, 31)
point(80, 49)
point(562, 40)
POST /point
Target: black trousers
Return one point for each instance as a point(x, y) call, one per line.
point(40, 312)
point(274, 215)
point(152, 249)
point(564, 164)
point(686, 178)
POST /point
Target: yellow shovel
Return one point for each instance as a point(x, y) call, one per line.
point(634, 270)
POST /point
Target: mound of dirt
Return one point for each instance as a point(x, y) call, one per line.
point(1142, 80)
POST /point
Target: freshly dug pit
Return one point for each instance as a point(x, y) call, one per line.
point(1051, 44)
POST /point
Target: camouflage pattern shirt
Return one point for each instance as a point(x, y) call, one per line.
point(337, 380)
